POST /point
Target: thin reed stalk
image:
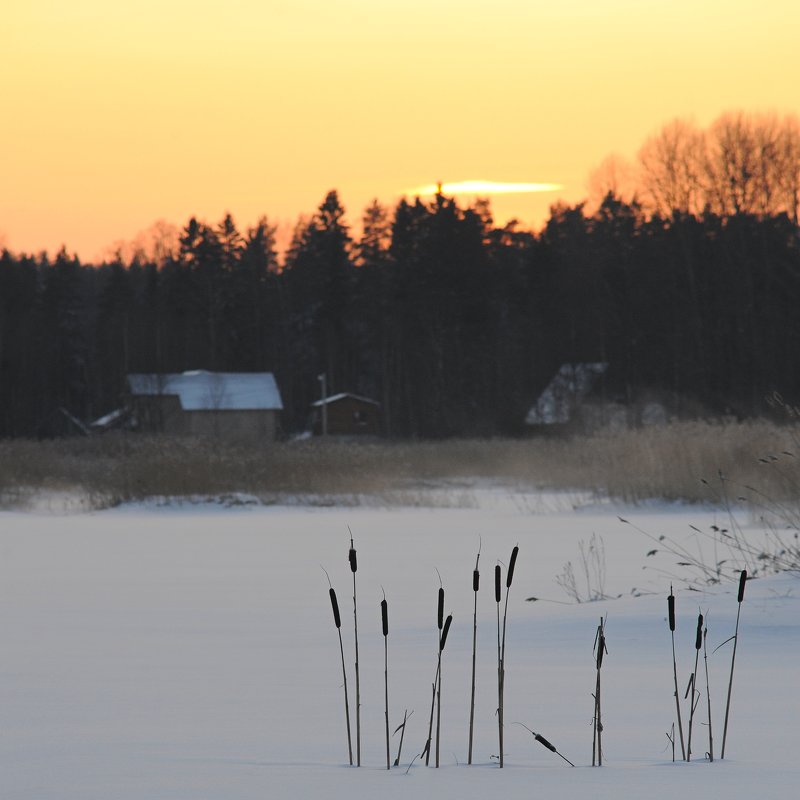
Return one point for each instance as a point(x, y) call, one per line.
point(708, 695)
point(476, 580)
point(427, 749)
point(497, 577)
point(351, 556)
point(671, 610)
point(692, 688)
point(740, 597)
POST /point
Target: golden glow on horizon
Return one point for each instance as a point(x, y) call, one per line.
point(119, 114)
point(482, 188)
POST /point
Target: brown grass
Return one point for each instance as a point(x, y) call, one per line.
point(667, 462)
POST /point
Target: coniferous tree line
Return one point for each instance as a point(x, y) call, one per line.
point(688, 287)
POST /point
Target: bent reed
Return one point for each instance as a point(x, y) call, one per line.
point(669, 462)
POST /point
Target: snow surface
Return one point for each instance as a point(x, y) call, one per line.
point(189, 652)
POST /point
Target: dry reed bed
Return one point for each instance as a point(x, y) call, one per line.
point(667, 462)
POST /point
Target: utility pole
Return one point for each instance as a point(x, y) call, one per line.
point(322, 378)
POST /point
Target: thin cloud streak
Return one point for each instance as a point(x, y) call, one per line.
point(483, 188)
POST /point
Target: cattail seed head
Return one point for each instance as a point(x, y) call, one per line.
point(335, 605)
point(476, 580)
point(601, 646)
point(385, 616)
point(511, 563)
point(445, 631)
point(352, 558)
point(742, 581)
point(440, 610)
point(698, 642)
point(497, 583)
point(671, 607)
point(539, 738)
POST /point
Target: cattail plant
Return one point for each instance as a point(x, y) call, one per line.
point(735, 637)
point(597, 740)
point(476, 581)
point(501, 685)
point(337, 620)
point(385, 625)
point(708, 694)
point(691, 689)
point(671, 610)
point(542, 741)
point(497, 590)
point(442, 641)
point(439, 625)
point(351, 556)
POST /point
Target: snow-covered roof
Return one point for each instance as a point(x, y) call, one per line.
point(199, 390)
point(335, 397)
point(570, 385)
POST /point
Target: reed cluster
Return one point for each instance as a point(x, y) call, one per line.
point(693, 694)
point(443, 625)
point(431, 751)
point(635, 465)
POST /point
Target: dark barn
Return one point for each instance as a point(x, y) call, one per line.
point(347, 415)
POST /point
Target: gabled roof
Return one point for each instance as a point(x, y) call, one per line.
point(341, 396)
point(569, 386)
point(199, 390)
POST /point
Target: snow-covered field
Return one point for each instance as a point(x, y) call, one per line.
point(189, 651)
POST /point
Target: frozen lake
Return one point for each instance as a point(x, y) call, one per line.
point(189, 651)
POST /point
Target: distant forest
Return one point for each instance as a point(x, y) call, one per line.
point(686, 281)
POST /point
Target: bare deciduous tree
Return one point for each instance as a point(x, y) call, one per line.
point(789, 159)
point(671, 169)
point(614, 175)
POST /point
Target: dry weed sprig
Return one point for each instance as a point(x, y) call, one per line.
point(402, 728)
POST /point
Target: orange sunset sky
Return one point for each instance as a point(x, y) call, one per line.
point(117, 114)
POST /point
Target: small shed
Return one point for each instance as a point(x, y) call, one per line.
point(202, 403)
point(346, 415)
